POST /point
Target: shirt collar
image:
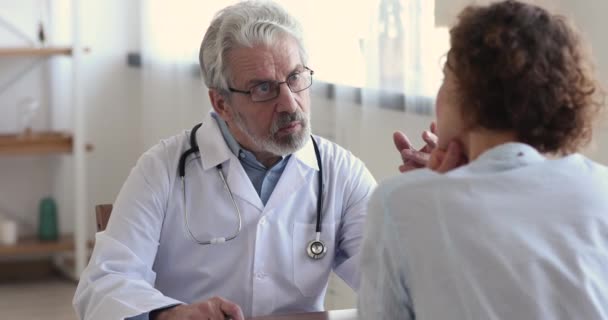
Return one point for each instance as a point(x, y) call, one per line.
point(507, 156)
point(241, 153)
point(231, 142)
point(306, 154)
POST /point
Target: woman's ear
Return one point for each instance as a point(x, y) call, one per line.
point(220, 104)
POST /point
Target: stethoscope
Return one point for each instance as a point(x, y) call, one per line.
point(315, 249)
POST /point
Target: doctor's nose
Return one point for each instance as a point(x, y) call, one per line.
point(286, 100)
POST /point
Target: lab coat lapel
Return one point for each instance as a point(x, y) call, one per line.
point(214, 151)
point(213, 148)
point(295, 176)
point(241, 185)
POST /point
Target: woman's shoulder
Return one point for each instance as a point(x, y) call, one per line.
point(415, 180)
point(582, 170)
point(585, 163)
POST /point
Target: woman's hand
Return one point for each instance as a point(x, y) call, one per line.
point(445, 160)
point(415, 159)
point(430, 155)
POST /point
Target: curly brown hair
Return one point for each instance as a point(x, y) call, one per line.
point(520, 68)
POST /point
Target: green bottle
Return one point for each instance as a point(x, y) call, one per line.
point(47, 222)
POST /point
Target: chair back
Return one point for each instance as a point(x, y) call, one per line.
point(102, 215)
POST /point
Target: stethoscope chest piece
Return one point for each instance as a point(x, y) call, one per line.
point(316, 249)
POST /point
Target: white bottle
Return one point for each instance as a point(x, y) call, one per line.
point(8, 232)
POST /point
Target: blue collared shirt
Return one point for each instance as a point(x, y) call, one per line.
point(263, 179)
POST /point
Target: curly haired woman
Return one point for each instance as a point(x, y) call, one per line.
point(519, 228)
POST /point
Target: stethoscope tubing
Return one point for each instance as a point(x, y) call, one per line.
point(315, 249)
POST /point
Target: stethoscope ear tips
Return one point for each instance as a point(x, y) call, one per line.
point(316, 249)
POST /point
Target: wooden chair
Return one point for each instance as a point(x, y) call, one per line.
point(102, 215)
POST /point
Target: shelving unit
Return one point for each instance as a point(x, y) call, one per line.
point(37, 52)
point(32, 246)
point(40, 52)
point(72, 144)
point(38, 143)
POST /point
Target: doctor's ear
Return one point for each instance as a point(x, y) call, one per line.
point(221, 104)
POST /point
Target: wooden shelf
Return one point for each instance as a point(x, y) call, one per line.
point(37, 143)
point(33, 246)
point(36, 52)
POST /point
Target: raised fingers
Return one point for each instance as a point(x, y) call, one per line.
point(401, 141)
point(415, 158)
point(430, 139)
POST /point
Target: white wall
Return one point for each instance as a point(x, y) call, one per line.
point(112, 99)
point(113, 96)
point(590, 18)
point(447, 10)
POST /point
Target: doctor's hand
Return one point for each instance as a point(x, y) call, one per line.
point(213, 309)
point(445, 160)
point(415, 159)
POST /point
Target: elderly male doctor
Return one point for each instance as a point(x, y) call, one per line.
point(239, 236)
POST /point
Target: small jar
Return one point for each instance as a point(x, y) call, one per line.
point(47, 220)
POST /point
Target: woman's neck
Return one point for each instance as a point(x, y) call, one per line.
point(478, 141)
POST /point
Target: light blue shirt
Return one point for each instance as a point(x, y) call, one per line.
point(263, 179)
point(512, 235)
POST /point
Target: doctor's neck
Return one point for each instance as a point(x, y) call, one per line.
point(479, 140)
point(266, 158)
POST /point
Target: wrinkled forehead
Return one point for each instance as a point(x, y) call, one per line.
point(264, 61)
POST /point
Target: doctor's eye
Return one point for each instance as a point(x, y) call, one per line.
point(294, 78)
point(262, 88)
point(299, 81)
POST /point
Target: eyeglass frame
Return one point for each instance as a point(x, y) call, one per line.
point(277, 84)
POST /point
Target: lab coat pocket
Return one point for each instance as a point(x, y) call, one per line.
point(311, 276)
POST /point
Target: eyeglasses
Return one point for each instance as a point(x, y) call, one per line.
point(268, 90)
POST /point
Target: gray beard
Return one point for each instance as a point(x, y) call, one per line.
point(285, 145)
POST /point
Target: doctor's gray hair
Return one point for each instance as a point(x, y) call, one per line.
point(245, 24)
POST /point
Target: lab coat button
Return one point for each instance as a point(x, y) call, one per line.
point(262, 221)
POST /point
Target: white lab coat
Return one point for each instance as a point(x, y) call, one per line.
point(146, 260)
point(512, 235)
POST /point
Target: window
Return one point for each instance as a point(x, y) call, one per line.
point(389, 45)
